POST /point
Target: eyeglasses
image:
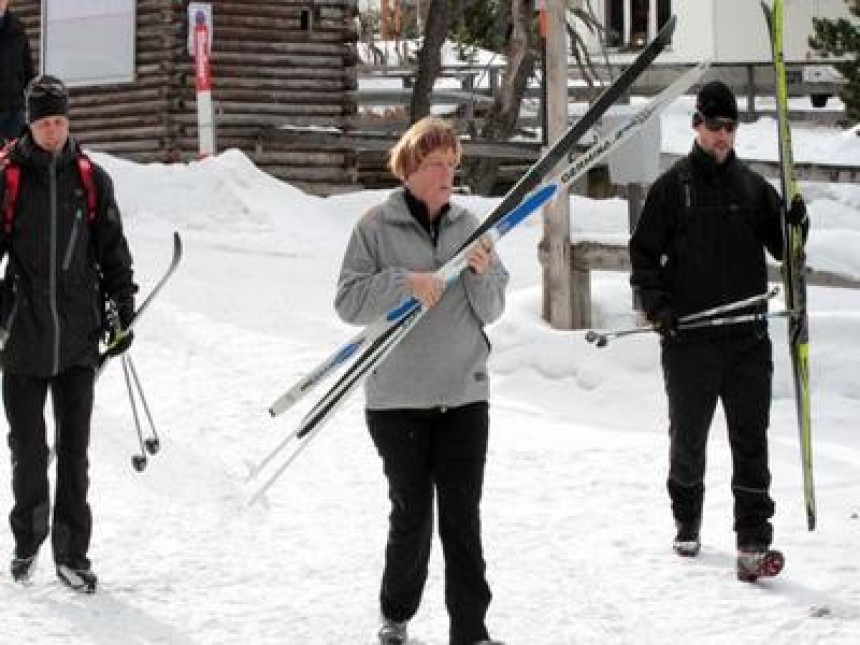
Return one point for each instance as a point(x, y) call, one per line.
point(715, 124)
point(438, 165)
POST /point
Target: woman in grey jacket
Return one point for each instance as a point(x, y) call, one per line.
point(427, 408)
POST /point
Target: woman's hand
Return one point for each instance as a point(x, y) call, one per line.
point(478, 258)
point(426, 287)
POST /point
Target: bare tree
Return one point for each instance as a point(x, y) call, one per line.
point(583, 12)
point(501, 119)
point(429, 58)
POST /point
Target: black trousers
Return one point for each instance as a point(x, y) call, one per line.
point(737, 371)
point(72, 397)
point(422, 451)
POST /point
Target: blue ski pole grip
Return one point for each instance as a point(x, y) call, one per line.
point(528, 206)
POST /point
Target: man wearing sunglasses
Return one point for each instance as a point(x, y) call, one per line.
point(700, 242)
point(66, 252)
point(16, 70)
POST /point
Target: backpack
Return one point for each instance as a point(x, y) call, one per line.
point(12, 179)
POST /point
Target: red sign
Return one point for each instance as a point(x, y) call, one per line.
point(203, 79)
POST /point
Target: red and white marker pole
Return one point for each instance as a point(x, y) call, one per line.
point(203, 85)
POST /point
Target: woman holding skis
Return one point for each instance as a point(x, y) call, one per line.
point(427, 408)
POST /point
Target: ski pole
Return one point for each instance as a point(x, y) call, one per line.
point(315, 419)
point(732, 306)
point(152, 443)
point(137, 461)
point(300, 446)
point(601, 339)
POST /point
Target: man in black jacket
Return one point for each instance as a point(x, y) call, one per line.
point(65, 259)
point(701, 242)
point(16, 70)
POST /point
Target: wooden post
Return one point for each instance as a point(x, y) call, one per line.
point(628, 23)
point(751, 116)
point(555, 246)
point(652, 21)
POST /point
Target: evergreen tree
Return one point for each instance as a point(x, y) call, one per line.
point(841, 38)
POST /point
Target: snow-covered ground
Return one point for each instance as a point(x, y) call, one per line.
point(576, 521)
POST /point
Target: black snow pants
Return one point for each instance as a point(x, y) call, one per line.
point(422, 450)
point(24, 398)
point(737, 371)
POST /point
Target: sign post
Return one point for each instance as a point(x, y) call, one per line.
point(200, 17)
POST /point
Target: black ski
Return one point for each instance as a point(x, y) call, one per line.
point(563, 149)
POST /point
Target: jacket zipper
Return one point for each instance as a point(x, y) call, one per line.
point(67, 260)
point(52, 280)
point(12, 314)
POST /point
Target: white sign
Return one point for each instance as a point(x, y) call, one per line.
point(89, 42)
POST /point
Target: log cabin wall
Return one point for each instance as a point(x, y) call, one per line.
point(275, 63)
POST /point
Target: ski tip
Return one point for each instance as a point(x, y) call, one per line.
point(768, 13)
point(668, 29)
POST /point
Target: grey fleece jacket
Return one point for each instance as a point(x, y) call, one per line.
point(442, 362)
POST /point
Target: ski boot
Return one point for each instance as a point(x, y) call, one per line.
point(392, 632)
point(759, 563)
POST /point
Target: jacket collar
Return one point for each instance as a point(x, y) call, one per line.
point(401, 213)
point(26, 152)
point(706, 164)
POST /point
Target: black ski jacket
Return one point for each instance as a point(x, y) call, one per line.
point(701, 238)
point(16, 63)
point(60, 265)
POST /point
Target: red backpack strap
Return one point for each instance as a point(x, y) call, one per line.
point(12, 179)
point(85, 169)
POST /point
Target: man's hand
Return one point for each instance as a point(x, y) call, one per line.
point(118, 319)
point(118, 342)
point(665, 321)
point(797, 215)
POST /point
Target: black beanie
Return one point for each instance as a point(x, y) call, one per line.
point(716, 99)
point(46, 96)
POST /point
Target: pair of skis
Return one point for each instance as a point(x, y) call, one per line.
point(794, 262)
point(527, 197)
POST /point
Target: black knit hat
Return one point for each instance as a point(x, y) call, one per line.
point(46, 96)
point(716, 100)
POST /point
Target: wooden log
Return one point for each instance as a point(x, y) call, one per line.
point(90, 99)
point(125, 134)
point(107, 112)
point(262, 120)
point(283, 109)
point(87, 121)
point(122, 147)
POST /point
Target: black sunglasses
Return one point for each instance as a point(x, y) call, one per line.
point(43, 88)
point(715, 124)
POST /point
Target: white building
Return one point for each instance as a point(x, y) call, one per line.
point(724, 31)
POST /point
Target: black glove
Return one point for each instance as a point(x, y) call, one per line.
point(797, 215)
point(665, 321)
point(125, 312)
point(118, 341)
point(118, 318)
